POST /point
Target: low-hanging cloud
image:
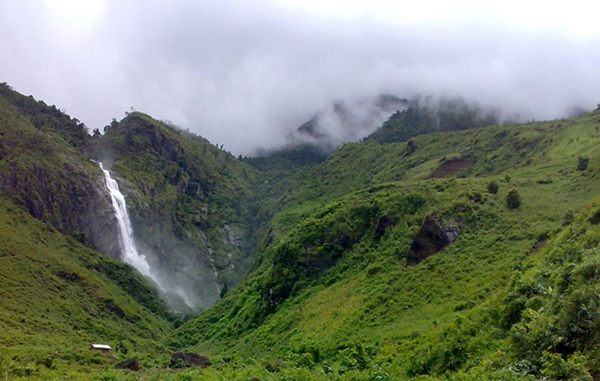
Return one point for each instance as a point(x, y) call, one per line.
point(246, 75)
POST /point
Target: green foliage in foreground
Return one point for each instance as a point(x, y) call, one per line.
point(98, 368)
point(552, 308)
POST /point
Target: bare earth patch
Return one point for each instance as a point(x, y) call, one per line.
point(451, 166)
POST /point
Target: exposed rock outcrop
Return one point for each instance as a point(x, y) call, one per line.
point(448, 167)
point(98, 220)
point(231, 235)
point(435, 234)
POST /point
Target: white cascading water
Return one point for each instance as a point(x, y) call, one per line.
point(128, 248)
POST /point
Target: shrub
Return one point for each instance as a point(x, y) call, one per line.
point(554, 367)
point(272, 365)
point(49, 363)
point(492, 187)
point(568, 218)
point(513, 200)
point(583, 163)
point(224, 290)
point(2, 366)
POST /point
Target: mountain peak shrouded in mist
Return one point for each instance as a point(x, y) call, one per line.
point(344, 122)
point(340, 122)
point(425, 115)
point(385, 118)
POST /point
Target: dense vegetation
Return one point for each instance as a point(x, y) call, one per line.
point(427, 115)
point(327, 285)
point(332, 290)
point(291, 157)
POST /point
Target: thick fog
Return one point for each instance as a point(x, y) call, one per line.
point(246, 74)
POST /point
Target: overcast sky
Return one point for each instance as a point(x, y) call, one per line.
point(246, 73)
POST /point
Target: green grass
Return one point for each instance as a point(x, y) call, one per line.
point(52, 297)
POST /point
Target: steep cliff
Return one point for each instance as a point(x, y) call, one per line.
point(189, 203)
point(43, 169)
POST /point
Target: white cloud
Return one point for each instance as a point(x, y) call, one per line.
point(247, 73)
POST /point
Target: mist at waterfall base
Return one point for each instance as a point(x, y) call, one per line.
point(174, 291)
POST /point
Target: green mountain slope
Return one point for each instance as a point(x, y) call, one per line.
point(43, 170)
point(57, 294)
point(538, 151)
point(330, 281)
point(292, 157)
point(46, 118)
point(190, 202)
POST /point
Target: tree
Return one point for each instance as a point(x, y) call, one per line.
point(513, 200)
point(492, 187)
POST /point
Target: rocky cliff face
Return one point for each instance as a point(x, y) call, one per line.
point(188, 203)
point(74, 201)
point(99, 222)
point(43, 170)
point(435, 234)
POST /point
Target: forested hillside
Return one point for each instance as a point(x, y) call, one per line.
point(462, 253)
point(191, 202)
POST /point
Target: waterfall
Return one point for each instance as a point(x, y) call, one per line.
point(173, 289)
point(126, 240)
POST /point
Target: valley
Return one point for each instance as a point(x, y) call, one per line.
point(463, 252)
